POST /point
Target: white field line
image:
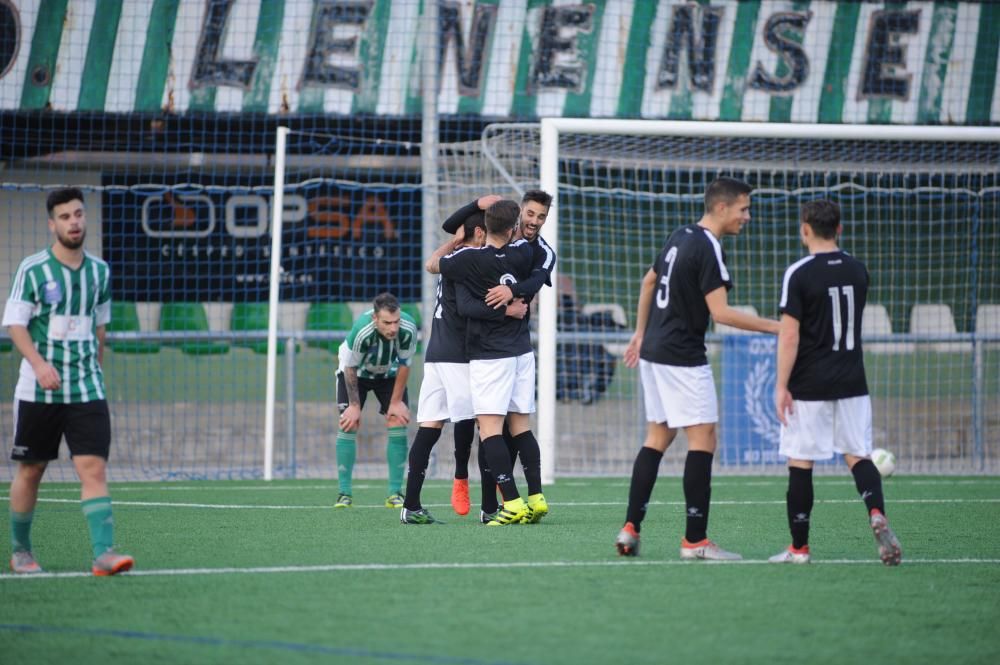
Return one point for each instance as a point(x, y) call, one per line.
point(570, 504)
point(165, 486)
point(396, 567)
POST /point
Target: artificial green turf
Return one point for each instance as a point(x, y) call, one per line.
point(581, 604)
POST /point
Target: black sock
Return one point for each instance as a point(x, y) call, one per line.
point(531, 460)
point(508, 439)
point(799, 500)
point(465, 431)
point(499, 461)
point(647, 465)
point(869, 483)
point(697, 494)
point(420, 454)
point(488, 503)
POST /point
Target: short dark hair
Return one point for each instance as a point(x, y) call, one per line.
point(502, 216)
point(61, 196)
point(823, 217)
point(538, 196)
point(476, 220)
point(724, 190)
point(386, 301)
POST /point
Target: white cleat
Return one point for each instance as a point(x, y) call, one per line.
point(888, 545)
point(791, 555)
point(706, 550)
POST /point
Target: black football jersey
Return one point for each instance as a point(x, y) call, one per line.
point(447, 342)
point(827, 293)
point(690, 266)
point(475, 271)
point(448, 327)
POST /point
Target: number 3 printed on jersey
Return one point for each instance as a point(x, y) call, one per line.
point(848, 292)
point(663, 292)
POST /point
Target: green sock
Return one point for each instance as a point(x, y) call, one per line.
point(395, 453)
point(347, 450)
point(20, 531)
point(101, 524)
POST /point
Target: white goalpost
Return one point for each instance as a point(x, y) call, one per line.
point(924, 197)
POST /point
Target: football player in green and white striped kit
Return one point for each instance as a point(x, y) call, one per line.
point(59, 305)
point(375, 357)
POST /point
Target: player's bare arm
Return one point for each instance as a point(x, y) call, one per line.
point(788, 348)
point(646, 290)
point(398, 413)
point(350, 419)
point(433, 264)
point(45, 373)
point(723, 314)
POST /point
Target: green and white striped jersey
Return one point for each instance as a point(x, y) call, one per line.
point(375, 356)
point(61, 308)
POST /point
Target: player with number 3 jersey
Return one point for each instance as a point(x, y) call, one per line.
point(687, 284)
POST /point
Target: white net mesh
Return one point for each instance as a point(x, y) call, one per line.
point(924, 217)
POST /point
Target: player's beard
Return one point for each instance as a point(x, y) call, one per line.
point(70, 243)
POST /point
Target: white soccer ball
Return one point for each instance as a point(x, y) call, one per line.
point(884, 461)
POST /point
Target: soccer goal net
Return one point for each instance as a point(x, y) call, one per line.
point(921, 208)
point(188, 237)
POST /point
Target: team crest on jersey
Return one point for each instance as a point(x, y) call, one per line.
point(52, 293)
point(507, 279)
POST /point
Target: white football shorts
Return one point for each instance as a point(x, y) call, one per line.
point(445, 393)
point(678, 396)
point(503, 385)
point(817, 430)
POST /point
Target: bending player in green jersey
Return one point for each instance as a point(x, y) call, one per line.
point(59, 306)
point(375, 357)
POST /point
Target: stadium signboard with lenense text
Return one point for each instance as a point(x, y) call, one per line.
point(212, 241)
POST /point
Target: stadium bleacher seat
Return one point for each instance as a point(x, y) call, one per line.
point(252, 316)
point(723, 329)
point(617, 315)
point(936, 319)
point(189, 317)
point(875, 321)
point(6, 345)
point(125, 318)
point(326, 316)
point(988, 321)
